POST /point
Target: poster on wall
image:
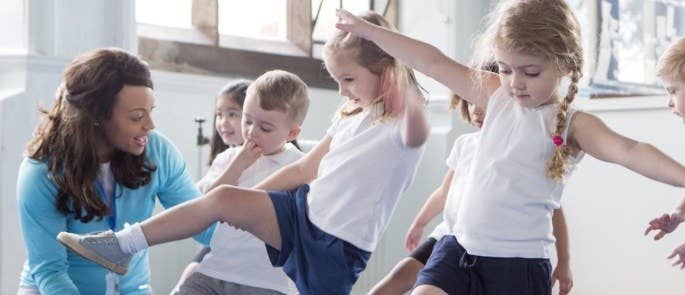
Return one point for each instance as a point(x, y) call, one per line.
point(629, 36)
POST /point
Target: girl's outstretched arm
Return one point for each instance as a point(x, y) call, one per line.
point(424, 58)
point(299, 172)
point(433, 206)
point(591, 135)
point(595, 138)
point(416, 127)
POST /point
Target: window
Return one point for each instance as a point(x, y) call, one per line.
point(176, 13)
point(623, 40)
point(247, 38)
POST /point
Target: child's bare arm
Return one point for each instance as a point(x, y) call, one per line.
point(595, 138)
point(300, 172)
point(245, 158)
point(591, 135)
point(562, 271)
point(424, 58)
point(433, 206)
point(416, 127)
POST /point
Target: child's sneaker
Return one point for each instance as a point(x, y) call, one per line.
point(101, 247)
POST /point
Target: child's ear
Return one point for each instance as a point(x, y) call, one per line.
point(293, 133)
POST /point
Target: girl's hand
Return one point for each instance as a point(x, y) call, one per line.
point(248, 155)
point(664, 224)
point(680, 253)
point(414, 235)
point(349, 22)
point(562, 273)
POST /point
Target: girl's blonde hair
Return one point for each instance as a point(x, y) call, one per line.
point(672, 62)
point(394, 76)
point(457, 103)
point(542, 28)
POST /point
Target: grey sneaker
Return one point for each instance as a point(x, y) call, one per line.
point(100, 247)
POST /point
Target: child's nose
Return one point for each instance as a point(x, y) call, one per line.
point(517, 82)
point(251, 133)
point(669, 102)
point(343, 91)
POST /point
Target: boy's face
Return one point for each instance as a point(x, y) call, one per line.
point(269, 130)
point(676, 95)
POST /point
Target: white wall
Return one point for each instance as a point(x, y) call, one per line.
point(607, 207)
point(12, 16)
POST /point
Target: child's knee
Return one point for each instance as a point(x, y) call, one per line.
point(222, 194)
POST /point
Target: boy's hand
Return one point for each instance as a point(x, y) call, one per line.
point(562, 273)
point(349, 22)
point(664, 224)
point(248, 155)
point(414, 235)
point(680, 253)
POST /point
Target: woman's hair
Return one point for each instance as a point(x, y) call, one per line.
point(546, 29)
point(236, 92)
point(68, 135)
point(672, 62)
point(393, 74)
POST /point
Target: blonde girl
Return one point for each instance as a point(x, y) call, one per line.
point(502, 239)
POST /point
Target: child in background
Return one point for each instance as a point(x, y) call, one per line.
point(671, 70)
point(228, 110)
point(528, 145)
point(403, 276)
point(324, 214)
point(237, 262)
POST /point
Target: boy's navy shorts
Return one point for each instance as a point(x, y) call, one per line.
point(454, 271)
point(316, 261)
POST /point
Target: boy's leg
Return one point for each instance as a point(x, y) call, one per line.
point(199, 283)
point(246, 209)
point(401, 279)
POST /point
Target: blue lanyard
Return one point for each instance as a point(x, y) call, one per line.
point(112, 219)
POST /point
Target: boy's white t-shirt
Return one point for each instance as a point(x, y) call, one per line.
point(507, 204)
point(361, 178)
point(238, 256)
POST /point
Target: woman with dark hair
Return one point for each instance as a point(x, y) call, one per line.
point(94, 164)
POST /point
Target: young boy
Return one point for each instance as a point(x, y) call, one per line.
point(671, 70)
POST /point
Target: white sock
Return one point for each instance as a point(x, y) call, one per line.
point(131, 238)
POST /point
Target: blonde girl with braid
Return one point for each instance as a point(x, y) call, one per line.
point(502, 236)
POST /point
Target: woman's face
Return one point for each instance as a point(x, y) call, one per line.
point(128, 127)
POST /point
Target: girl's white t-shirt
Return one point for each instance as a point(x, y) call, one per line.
point(507, 204)
point(459, 161)
point(361, 178)
point(238, 256)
